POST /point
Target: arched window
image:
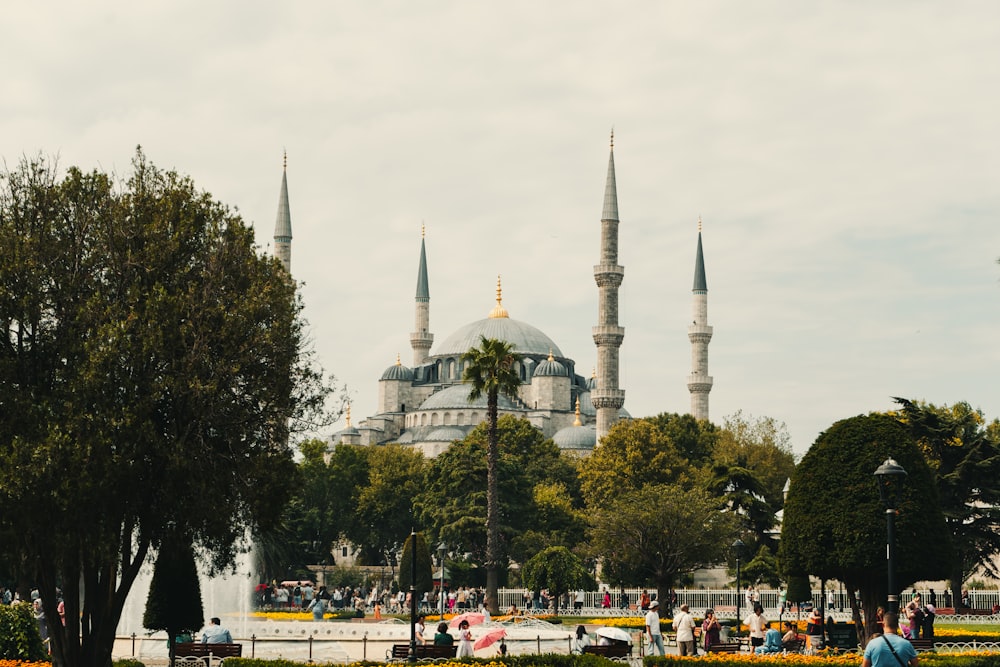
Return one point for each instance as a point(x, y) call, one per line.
point(460, 418)
point(447, 419)
point(434, 419)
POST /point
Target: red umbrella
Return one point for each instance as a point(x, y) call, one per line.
point(489, 638)
point(472, 617)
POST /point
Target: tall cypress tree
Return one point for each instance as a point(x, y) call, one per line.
point(174, 601)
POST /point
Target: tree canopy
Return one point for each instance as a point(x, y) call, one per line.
point(834, 523)
point(654, 534)
point(964, 455)
point(151, 369)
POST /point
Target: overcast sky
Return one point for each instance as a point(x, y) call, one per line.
point(844, 157)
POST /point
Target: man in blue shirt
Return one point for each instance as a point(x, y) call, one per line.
point(880, 649)
point(214, 633)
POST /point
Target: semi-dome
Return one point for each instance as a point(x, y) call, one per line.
point(457, 397)
point(576, 437)
point(550, 368)
point(525, 338)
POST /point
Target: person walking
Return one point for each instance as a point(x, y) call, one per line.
point(684, 626)
point(653, 628)
point(889, 649)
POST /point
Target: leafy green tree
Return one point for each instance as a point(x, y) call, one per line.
point(322, 509)
point(964, 456)
point(174, 600)
point(653, 534)
point(640, 452)
point(490, 370)
point(556, 520)
point(537, 493)
point(834, 522)
point(559, 570)
point(762, 569)
point(385, 503)
point(425, 579)
point(152, 367)
point(762, 445)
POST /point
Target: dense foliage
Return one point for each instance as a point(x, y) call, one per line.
point(19, 638)
point(834, 518)
point(964, 455)
point(151, 370)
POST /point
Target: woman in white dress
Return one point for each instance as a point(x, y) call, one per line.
point(464, 640)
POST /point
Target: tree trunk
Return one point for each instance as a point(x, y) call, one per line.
point(492, 500)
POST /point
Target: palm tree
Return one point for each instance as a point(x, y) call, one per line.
point(490, 370)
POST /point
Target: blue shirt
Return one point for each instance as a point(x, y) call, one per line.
point(879, 654)
point(216, 634)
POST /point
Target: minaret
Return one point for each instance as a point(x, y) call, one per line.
point(607, 397)
point(283, 225)
point(700, 334)
point(421, 339)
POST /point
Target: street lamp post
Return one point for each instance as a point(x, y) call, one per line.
point(890, 476)
point(442, 549)
point(738, 551)
point(413, 595)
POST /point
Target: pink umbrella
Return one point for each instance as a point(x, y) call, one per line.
point(472, 617)
point(489, 638)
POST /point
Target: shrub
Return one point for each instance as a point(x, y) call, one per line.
point(19, 638)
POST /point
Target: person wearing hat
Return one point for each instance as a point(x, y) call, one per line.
point(653, 628)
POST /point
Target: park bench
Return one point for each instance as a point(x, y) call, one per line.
point(794, 645)
point(922, 645)
point(207, 652)
point(621, 651)
point(725, 647)
point(424, 652)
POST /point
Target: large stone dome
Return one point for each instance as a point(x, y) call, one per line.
point(525, 338)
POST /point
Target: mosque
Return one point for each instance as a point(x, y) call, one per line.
point(427, 405)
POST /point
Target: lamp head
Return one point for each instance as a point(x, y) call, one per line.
point(890, 476)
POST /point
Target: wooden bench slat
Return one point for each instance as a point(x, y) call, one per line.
point(424, 651)
point(725, 647)
point(199, 650)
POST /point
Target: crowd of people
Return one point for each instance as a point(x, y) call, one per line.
point(304, 596)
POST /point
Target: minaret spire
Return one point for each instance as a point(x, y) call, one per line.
point(700, 334)
point(608, 336)
point(283, 225)
point(422, 339)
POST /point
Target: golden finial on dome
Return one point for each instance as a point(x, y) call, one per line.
point(348, 415)
point(551, 358)
point(398, 362)
point(498, 310)
point(577, 421)
point(593, 373)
